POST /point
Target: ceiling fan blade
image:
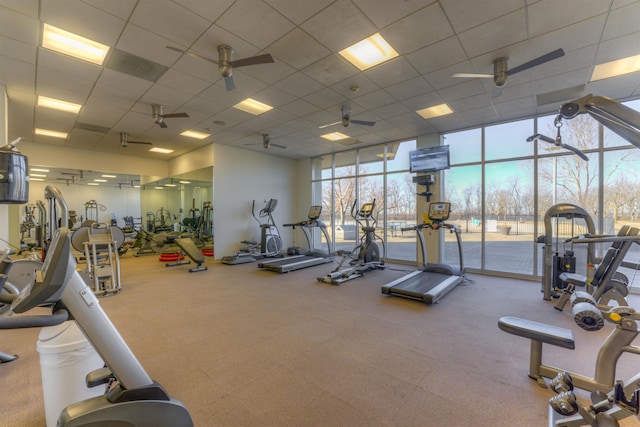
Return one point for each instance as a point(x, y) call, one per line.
point(329, 124)
point(191, 54)
point(279, 146)
point(168, 116)
point(229, 84)
point(363, 122)
point(497, 91)
point(558, 53)
point(473, 75)
point(162, 125)
point(254, 60)
point(140, 142)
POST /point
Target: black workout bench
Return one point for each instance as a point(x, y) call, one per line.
point(190, 249)
point(539, 333)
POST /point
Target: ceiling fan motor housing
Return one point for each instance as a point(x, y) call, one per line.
point(500, 71)
point(156, 110)
point(224, 59)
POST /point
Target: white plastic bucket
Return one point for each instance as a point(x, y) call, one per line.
point(66, 357)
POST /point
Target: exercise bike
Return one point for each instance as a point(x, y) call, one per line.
point(132, 397)
point(270, 244)
point(365, 256)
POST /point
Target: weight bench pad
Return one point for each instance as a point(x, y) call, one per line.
point(189, 248)
point(538, 331)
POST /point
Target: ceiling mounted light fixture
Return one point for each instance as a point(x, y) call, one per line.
point(161, 150)
point(58, 104)
point(62, 41)
point(52, 133)
point(334, 136)
point(195, 134)
point(253, 107)
point(371, 51)
point(616, 68)
point(435, 111)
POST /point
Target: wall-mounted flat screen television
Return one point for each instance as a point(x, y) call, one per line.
point(430, 159)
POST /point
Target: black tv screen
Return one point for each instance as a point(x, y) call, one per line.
point(429, 159)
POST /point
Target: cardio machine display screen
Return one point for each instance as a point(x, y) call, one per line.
point(314, 212)
point(439, 211)
point(366, 210)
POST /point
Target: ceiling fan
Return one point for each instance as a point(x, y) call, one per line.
point(225, 64)
point(501, 71)
point(266, 142)
point(124, 140)
point(347, 120)
point(159, 116)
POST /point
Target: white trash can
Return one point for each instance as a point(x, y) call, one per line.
point(66, 357)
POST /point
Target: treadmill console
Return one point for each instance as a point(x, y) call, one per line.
point(439, 211)
point(314, 212)
point(366, 210)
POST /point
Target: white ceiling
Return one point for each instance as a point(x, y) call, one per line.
point(309, 81)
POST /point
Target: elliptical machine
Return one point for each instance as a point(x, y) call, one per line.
point(270, 242)
point(365, 256)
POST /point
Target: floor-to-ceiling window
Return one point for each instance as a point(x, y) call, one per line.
point(500, 186)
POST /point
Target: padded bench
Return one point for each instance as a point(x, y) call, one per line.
point(539, 333)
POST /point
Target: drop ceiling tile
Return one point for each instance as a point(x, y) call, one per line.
point(391, 72)
point(298, 49)
point(384, 12)
point(619, 48)
point(81, 19)
point(26, 7)
point(409, 88)
point(68, 66)
point(546, 16)
point(255, 21)
point(464, 89)
point(437, 56)
point(120, 85)
point(146, 44)
point(275, 97)
point(210, 10)
point(121, 8)
point(46, 118)
point(324, 98)
point(339, 25)
point(169, 20)
point(622, 21)
point(15, 49)
point(583, 34)
point(423, 101)
point(465, 15)
point(298, 10)
point(502, 31)
point(375, 99)
point(17, 74)
point(182, 81)
point(390, 110)
point(51, 81)
point(470, 103)
point(330, 70)
point(423, 28)
point(18, 26)
point(299, 84)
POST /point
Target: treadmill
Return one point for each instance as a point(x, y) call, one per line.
point(431, 281)
point(304, 259)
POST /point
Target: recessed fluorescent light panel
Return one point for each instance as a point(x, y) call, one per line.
point(92, 183)
point(371, 51)
point(334, 136)
point(170, 185)
point(100, 180)
point(73, 45)
point(161, 150)
point(616, 68)
point(109, 176)
point(195, 134)
point(35, 179)
point(58, 104)
point(39, 175)
point(252, 106)
point(184, 182)
point(38, 170)
point(53, 133)
point(435, 111)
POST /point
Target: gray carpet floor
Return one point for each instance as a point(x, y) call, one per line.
point(245, 347)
